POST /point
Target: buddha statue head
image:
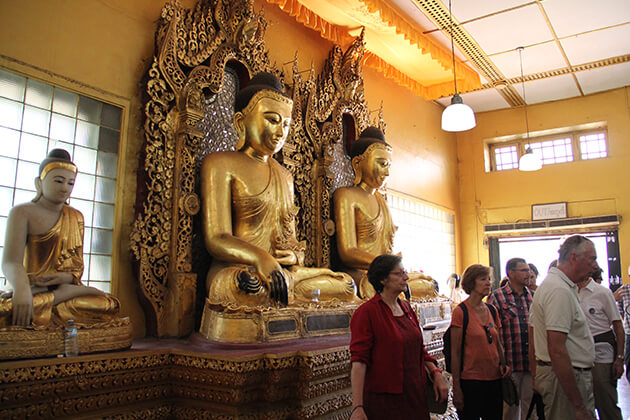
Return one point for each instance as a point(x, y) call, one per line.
point(262, 115)
point(56, 177)
point(371, 158)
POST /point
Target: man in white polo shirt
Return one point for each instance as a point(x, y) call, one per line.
point(563, 345)
point(604, 321)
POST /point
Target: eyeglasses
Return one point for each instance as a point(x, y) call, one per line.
point(488, 335)
point(400, 273)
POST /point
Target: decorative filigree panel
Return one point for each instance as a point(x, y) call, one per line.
point(281, 383)
point(193, 49)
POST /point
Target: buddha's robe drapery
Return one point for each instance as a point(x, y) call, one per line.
point(374, 236)
point(267, 220)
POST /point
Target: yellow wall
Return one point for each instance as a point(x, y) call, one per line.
point(103, 49)
point(591, 187)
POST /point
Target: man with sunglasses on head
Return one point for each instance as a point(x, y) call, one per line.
point(562, 342)
point(513, 302)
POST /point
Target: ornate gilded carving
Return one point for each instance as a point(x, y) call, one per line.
point(21, 343)
point(277, 383)
point(205, 39)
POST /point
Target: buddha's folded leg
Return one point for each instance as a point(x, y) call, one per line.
point(42, 309)
point(88, 309)
point(421, 288)
point(339, 287)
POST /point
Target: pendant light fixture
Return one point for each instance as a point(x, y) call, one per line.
point(530, 161)
point(457, 116)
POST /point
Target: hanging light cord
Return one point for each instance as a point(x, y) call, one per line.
point(450, 16)
point(520, 54)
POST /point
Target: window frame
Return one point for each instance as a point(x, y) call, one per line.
point(520, 144)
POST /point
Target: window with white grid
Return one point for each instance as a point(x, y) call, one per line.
point(506, 158)
point(593, 146)
point(425, 237)
point(568, 147)
point(554, 151)
point(36, 117)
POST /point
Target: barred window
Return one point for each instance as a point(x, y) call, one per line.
point(506, 158)
point(562, 148)
point(554, 151)
point(593, 146)
point(36, 117)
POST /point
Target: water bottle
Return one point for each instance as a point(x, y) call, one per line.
point(70, 339)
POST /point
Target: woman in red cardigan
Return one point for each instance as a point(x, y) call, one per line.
point(387, 353)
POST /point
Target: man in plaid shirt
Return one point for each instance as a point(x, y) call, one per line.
point(622, 296)
point(513, 302)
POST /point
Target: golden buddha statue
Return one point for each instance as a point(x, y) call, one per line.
point(43, 257)
point(364, 224)
point(248, 212)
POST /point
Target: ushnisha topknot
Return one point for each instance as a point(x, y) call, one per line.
point(369, 136)
point(57, 158)
point(261, 81)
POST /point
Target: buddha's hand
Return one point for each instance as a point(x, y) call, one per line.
point(53, 279)
point(270, 271)
point(286, 257)
point(22, 306)
point(278, 289)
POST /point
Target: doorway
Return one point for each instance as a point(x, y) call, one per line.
point(541, 250)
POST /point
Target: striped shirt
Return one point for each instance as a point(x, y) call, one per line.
point(514, 312)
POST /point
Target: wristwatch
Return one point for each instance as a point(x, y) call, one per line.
point(620, 356)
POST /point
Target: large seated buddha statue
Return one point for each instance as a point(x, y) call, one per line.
point(43, 257)
point(364, 224)
point(248, 212)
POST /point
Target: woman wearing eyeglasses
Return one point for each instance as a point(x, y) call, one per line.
point(387, 352)
point(476, 366)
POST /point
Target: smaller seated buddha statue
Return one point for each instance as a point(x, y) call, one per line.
point(248, 213)
point(364, 224)
point(43, 257)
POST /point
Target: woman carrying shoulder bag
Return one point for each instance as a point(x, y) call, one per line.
point(477, 381)
point(387, 352)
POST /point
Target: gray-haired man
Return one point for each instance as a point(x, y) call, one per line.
point(563, 344)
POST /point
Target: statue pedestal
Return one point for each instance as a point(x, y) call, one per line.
point(252, 325)
point(25, 343)
point(194, 378)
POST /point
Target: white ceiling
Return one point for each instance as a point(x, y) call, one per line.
point(575, 38)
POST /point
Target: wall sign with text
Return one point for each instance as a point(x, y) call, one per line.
point(549, 211)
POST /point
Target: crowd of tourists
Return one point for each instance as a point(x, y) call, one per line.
point(517, 352)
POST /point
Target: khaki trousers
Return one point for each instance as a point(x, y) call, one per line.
point(557, 405)
point(523, 381)
point(605, 390)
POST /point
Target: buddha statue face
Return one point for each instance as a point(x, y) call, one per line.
point(264, 125)
point(373, 167)
point(57, 185)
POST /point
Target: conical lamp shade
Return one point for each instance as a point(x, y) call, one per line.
point(529, 161)
point(458, 116)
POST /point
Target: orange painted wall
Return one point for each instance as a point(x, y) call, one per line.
point(103, 49)
point(591, 187)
